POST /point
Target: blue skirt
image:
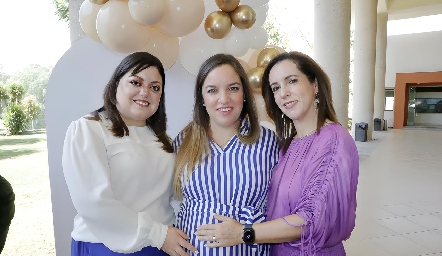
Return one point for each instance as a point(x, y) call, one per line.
point(79, 248)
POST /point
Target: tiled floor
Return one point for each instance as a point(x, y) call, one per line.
point(399, 209)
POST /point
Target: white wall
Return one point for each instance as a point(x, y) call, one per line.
point(75, 88)
point(420, 52)
point(389, 117)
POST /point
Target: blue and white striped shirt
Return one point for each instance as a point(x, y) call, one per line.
point(232, 182)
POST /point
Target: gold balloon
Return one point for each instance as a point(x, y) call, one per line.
point(255, 78)
point(265, 56)
point(217, 24)
point(98, 1)
point(227, 5)
point(243, 17)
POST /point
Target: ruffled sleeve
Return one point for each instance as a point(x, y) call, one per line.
point(328, 194)
point(87, 174)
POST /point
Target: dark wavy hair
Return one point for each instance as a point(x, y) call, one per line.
point(135, 63)
point(285, 129)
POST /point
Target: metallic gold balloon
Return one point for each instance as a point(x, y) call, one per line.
point(217, 24)
point(243, 17)
point(265, 56)
point(98, 1)
point(255, 78)
point(227, 5)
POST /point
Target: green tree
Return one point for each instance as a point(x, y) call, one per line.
point(3, 98)
point(16, 93)
point(34, 79)
point(62, 9)
point(276, 38)
point(14, 119)
point(32, 109)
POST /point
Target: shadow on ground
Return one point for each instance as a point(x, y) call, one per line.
point(12, 153)
point(19, 141)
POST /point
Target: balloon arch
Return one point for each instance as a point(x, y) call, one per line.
point(189, 30)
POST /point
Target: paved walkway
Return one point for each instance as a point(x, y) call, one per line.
point(399, 209)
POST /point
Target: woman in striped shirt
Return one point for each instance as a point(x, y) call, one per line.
point(224, 158)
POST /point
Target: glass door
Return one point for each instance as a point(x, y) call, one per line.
point(411, 106)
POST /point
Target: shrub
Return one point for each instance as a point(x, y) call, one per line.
point(14, 119)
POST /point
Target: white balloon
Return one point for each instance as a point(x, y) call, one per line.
point(236, 42)
point(257, 37)
point(147, 12)
point(261, 14)
point(181, 17)
point(163, 47)
point(88, 19)
point(253, 3)
point(196, 47)
point(118, 31)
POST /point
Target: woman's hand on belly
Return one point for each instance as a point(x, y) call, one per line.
point(224, 234)
point(176, 239)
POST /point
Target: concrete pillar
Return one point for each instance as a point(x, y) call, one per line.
point(332, 49)
point(364, 63)
point(381, 50)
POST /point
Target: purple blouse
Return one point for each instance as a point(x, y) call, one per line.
point(317, 178)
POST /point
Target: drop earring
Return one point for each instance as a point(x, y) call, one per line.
point(316, 102)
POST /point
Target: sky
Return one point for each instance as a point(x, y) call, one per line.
point(32, 34)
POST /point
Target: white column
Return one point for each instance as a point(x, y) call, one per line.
point(381, 59)
point(332, 49)
point(364, 63)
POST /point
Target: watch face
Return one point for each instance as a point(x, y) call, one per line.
point(249, 236)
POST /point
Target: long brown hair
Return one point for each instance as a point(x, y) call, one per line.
point(195, 142)
point(285, 128)
point(137, 61)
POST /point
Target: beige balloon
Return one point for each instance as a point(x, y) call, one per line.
point(217, 24)
point(118, 31)
point(147, 12)
point(243, 17)
point(266, 55)
point(163, 47)
point(255, 78)
point(227, 5)
point(244, 64)
point(253, 59)
point(181, 17)
point(99, 2)
point(88, 19)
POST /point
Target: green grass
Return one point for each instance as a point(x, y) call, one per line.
point(21, 145)
point(24, 163)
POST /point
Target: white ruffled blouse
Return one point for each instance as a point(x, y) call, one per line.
point(120, 187)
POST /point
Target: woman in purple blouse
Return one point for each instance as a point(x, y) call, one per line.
point(312, 196)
